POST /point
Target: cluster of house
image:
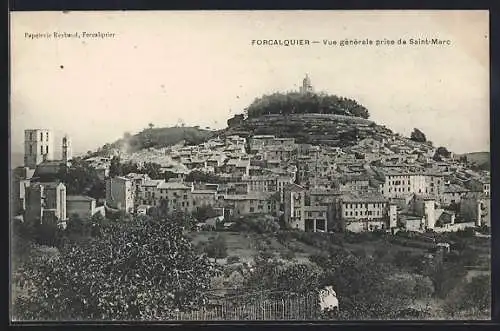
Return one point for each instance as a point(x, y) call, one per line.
point(37, 194)
point(385, 184)
point(375, 185)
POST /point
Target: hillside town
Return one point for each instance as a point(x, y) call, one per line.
point(391, 183)
point(283, 219)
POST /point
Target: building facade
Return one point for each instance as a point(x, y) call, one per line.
point(46, 202)
point(362, 212)
point(120, 194)
point(83, 207)
point(38, 147)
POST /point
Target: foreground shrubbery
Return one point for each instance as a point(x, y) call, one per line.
point(133, 271)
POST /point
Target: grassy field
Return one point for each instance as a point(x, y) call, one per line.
point(248, 245)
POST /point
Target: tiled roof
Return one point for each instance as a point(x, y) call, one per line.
point(363, 197)
point(173, 186)
point(294, 188)
point(455, 189)
point(153, 182)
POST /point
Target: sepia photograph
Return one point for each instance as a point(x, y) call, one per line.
point(173, 166)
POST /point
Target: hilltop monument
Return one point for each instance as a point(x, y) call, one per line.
point(306, 85)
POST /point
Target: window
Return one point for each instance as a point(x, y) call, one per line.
point(41, 136)
point(31, 149)
point(31, 135)
point(356, 214)
point(47, 149)
point(47, 136)
point(252, 209)
point(41, 149)
point(351, 213)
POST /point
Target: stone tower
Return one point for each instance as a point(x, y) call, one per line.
point(66, 150)
point(38, 147)
point(306, 85)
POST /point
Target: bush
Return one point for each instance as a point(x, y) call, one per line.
point(135, 271)
point(402, 258)
point(216, 248)
point(380, 253)
point(287, 255)
point(233, 259)
point(266, 255)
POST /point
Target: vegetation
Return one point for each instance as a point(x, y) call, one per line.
point(205, 212)
point(117, 168)
point(142, 270)
point(477, 161)
point(217, 248)
point(297, 103)
point(81, 178)
point(160, 137)
point(257, 223)
point(418, 136)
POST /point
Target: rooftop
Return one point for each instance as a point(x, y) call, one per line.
point(153, 182)
point(294, 188)
point(249, 196)
point(173, 186)
point(453, 188)
point(79, 198)
point(363, 197)
point(316, 208)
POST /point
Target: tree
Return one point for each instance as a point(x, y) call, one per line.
point(115, 168)
point(276, 276)
point(142, 270)
point(473, 298)
point(443, 152)
point(217, 249)
point(204, 212)
point(151, 126)
point(366, 289)
point(297, 103)
point(418, 136)
point(81, 178)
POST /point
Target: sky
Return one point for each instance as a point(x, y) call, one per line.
point(201, 68)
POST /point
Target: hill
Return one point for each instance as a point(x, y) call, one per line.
point(304, 103)
point(160, 137)
point(310, 128)
point(480, 160)
point(310, 118)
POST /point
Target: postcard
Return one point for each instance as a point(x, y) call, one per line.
point(250, 166)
